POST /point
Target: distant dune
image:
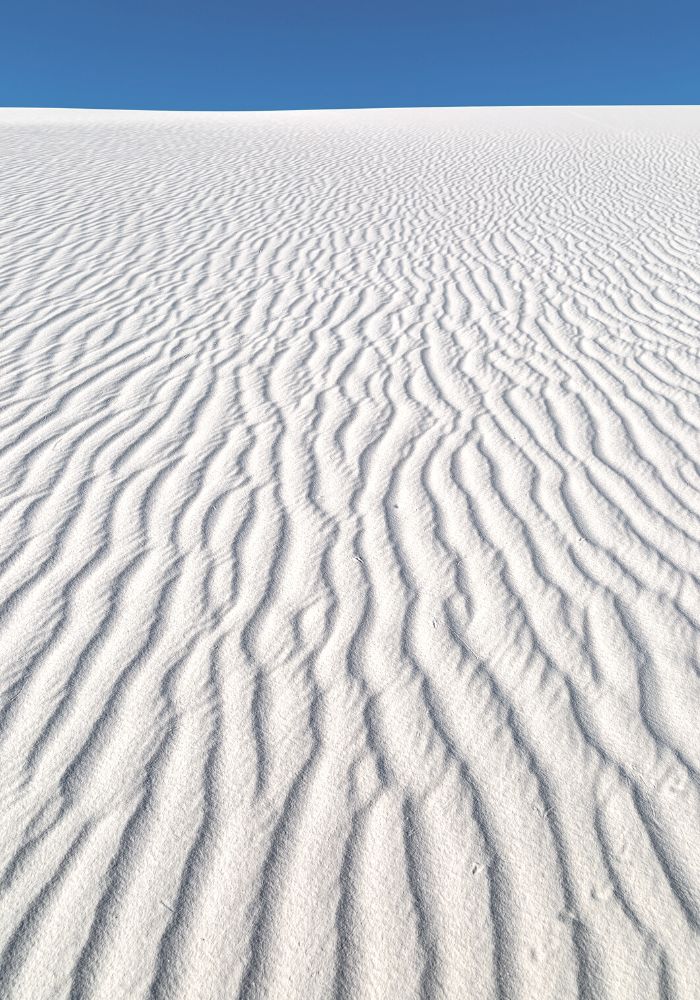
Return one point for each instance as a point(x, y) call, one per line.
point(350, 555)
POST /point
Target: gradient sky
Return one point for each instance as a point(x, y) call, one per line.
point(214, 54)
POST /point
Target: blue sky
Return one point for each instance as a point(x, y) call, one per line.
point(270, 54)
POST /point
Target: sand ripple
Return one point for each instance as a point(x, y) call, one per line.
point(350, 555)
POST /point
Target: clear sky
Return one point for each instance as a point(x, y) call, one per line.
point(226, 54)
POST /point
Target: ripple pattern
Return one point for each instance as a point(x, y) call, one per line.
point(350, 555)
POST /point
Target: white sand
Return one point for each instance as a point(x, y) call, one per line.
point(350, 554)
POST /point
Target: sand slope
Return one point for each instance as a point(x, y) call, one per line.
point(350, 554)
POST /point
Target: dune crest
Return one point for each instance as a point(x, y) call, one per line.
point(350, 554)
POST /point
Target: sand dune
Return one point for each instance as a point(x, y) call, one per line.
point(350, 554)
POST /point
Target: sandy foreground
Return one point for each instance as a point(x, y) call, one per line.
point(350, 554)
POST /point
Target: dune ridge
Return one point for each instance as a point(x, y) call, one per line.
point(350, 554)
